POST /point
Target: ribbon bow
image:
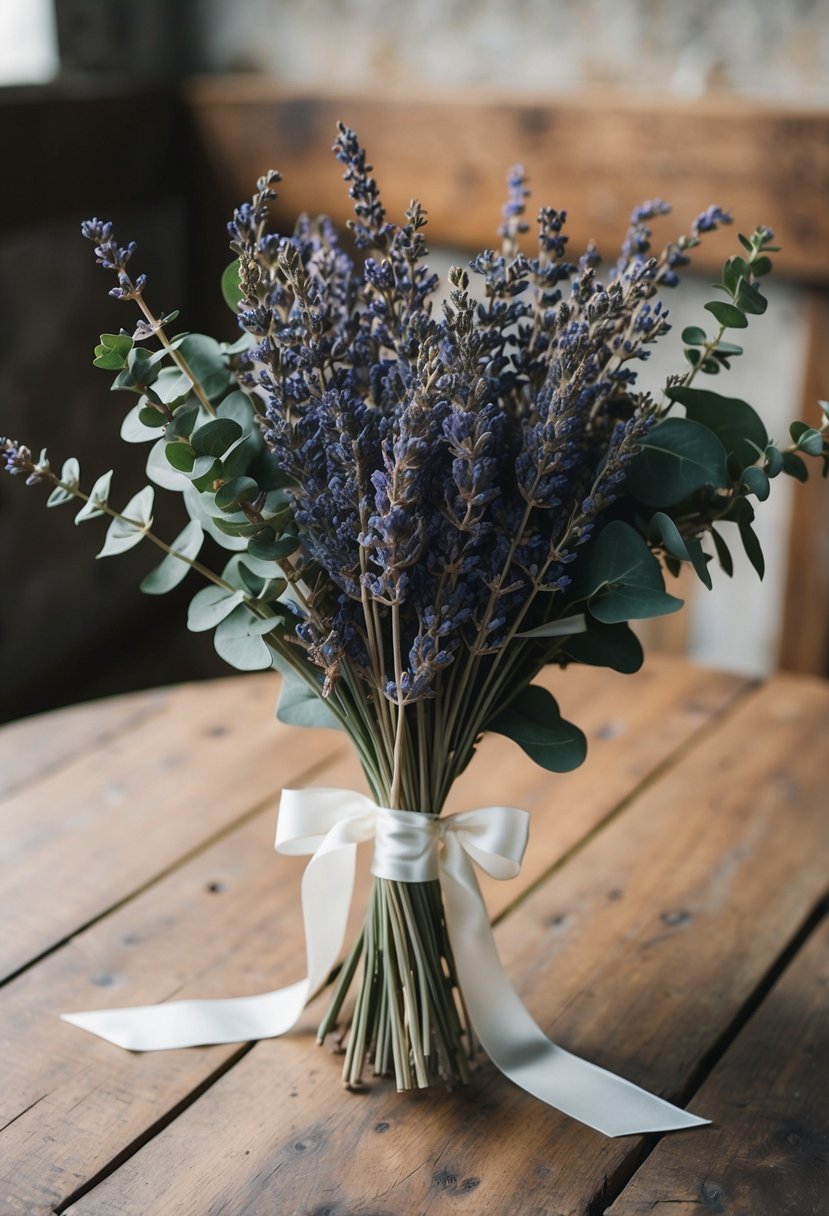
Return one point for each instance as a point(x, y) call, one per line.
point(408, 847)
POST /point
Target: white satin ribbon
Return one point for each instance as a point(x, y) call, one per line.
point(409, 847)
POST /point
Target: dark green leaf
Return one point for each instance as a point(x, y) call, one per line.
point(299, 705)
point(676, 458)
point(736, 424)
point(807, 438)
point(761, 266)
point(745, 242)
point(215, 437)
point(795, 466)
point(757, 482)
point(244, 528)
point(694, 336)
point(180, 456)
point(274, 550)
point(613, 646)
point(664, 528)
point(750, 300)
point(723, 553)
point(148, 415)
point(774, 460)
point(624, 581)
point(727, 314)
point(533, 721)
point(184, 420)
point(752, 547)
point(232, 493)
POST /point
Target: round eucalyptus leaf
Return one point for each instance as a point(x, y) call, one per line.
point(173, 570)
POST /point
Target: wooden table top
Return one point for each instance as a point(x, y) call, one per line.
point(669, 924)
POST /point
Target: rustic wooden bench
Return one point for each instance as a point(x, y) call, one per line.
point(669, 923)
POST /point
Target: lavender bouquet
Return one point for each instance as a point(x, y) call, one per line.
point(426, 507)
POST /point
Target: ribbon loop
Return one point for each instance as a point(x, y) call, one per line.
point(409, 847)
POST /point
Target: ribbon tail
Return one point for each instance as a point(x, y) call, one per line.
point(518, 1046)
point(327, 886)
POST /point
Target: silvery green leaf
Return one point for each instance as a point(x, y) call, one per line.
point(299, 705)
point(133, 429)
point(201, 507)
point(70, 474)
point(561, 628)
point(128, 531)
point(173, 570)
point(210, 606)
point(240, 648)
point(97, 498)
point(162, 472)
point(172, 385)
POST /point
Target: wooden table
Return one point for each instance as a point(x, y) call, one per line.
point(669, 923)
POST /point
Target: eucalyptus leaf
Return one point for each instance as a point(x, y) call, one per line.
point(98, 497)
point(203, 356)
point(210, 606)
point(723, 553)
point(664, 528)
point(677, 457)
point(727, 314)
point(299, 705)
point(756, 482)
point(533, 721)
point(133, 429)
point(739, 428)
point(173, 570)
point(241, 649)
point(795, 466)
point(70, 474)
point(137, 517)
point(563, 627)
point(624, 580)
point(160, 471)
point(215, 437)
point(614, 646)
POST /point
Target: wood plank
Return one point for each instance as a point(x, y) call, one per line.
point(768, 1152)
point(31, 747)
point(804, 636)
point(76, 122)
point(89, 835)
point(73, 1103)
point(596, 154)
point(638, 955)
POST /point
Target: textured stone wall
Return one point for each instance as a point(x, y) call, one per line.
point(759, 48)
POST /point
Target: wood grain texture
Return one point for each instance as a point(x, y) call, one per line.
point(32, 747)
point(123, 813)
point(768, 1153)
point(595, 154)
point(227, 921)
point(639, 955)
point(804, 635)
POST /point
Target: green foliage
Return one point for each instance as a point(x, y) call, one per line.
point(231, 290)
point(128, 530)
point(736, 424)
point(533, 721)
point(663, 529)
point(173, 570)
point(70, 475)
point(112, 352)
point(623, 579)
point(300, 705)
point(677, 457)
point(614, 646)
